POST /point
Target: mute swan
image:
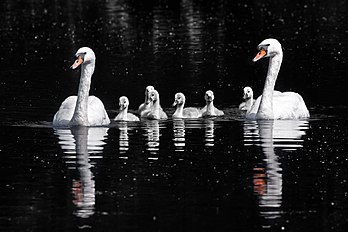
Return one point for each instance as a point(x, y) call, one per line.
point(82, 110)
point(181, 112)
point(273, 104)
point(145, 106)
point(155, 111)
point(123, 115)
point(248, 97)
point(210, 109)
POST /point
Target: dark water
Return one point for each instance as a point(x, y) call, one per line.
point(219, 174)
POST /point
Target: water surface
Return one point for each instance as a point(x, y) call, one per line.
point(214, 174)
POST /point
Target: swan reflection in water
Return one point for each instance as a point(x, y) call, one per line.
point(268, 179)
point(81, 145)
point(152, 133)
point(209, 132)
point(179, 134)
point(123, 138)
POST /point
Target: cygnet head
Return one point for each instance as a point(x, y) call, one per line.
point(268, 48)
point(153, 96)
point(123, 102)
point(148, 89)
point(179, 99)
point(247, 93)
point(84, 55)
point(209, 96)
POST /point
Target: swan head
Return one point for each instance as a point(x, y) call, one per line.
point(123, 102)
point(247, 93)
point(209, 96)
point(153, 96)
point(84, 55)
point(268, 48)
point(147, 90)
point(179, 99)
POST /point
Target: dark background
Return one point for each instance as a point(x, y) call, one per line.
point(187, 46)
point(162, 175)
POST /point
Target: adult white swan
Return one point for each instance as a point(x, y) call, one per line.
point(82, 110)
point(273, 104)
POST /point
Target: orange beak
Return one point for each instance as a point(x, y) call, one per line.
point(259, 55)
point(77, 62)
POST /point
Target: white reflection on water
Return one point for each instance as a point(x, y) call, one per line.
point(268, 179)
point(179, 134)
point(152, 133)
point(209, 132)
point(123, 138)
point(81, 144)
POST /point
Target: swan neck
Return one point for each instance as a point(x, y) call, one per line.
point(122, 115)
point(80, 114)
point(156, 105)
point(249, 103)
point(210, 107)
point(179, 110)
point(266, 105)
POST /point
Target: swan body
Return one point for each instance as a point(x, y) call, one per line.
point(144, 107)
point(155, 111)
point(209, 109)
point(82, 110)
point(181, 112)
point(248, 97)
point(123, 115)
point(273, 104)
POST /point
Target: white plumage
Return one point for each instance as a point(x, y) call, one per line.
point(274, 104)
point(181, 112)
point(82, 110)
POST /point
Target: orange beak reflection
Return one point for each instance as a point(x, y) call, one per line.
point(77, 63)
point(259, 55)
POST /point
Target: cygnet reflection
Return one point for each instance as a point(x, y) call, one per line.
point(179, 134)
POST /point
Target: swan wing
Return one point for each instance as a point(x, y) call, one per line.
point(218, 112)
point(286, 105)
point(132, 117)
point(65, 112)
point(163, 114)
point(97, 115)
point(242, 106)
point(289, 105)
point(191, 112)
